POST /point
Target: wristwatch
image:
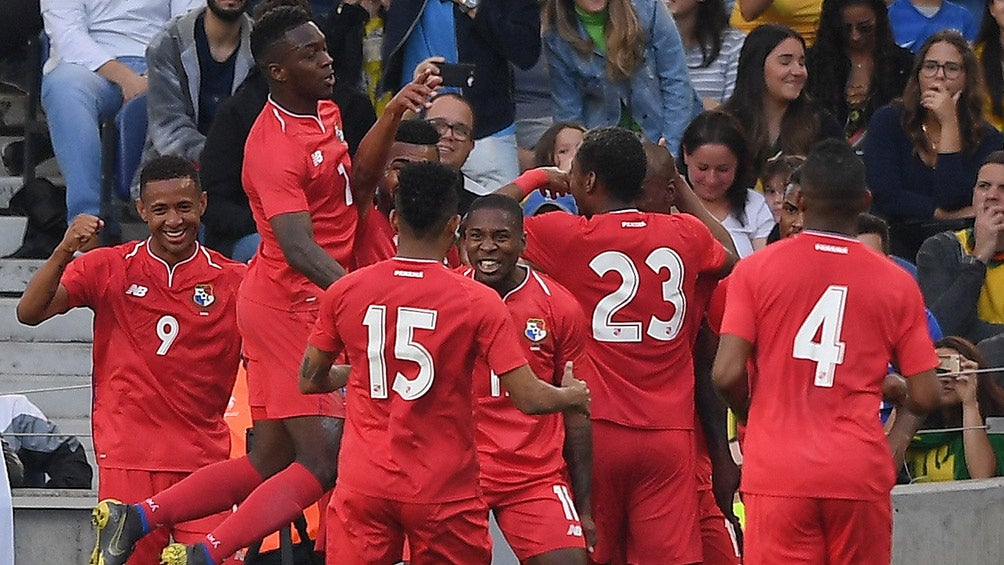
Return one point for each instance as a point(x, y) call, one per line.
point(971, 261)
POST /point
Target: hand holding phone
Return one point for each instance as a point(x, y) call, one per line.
point(456, 74)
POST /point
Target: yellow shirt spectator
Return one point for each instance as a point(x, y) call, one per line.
point(800, 15)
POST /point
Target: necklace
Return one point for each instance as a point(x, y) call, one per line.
point(930, 139)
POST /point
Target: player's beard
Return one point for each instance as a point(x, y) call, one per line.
point(223, 14)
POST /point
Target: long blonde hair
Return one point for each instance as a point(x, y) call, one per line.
point(625, 38)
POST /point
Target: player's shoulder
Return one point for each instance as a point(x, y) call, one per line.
point(555, 220)
point(227, 266)
point(562, 302)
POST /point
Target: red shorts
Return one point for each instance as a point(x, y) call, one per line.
point(718, 538)
point(364, 529)
point(645, 495)
point(783, 529)
point(538, 518)
point(131, 487)
point(274, 342)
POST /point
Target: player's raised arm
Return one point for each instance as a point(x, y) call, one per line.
point(729, 373)
point(317, 375)
point(45, 297)
point(295, 235)
point(533, 396)
point(687, 201)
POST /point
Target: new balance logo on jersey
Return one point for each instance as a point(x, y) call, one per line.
point(316, 157)
point(139, 291)
point(574, 530)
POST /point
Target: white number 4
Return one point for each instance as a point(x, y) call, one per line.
point(828, 352)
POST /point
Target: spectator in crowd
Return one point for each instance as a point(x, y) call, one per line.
point(775, 178)
point(964, 450)
point(988, 48)
point(770, 99)
point(453, 117)
point(13, 465)
point(556, 148)
point(914, 21)
point(922, 153)
point(618, 62)
point(40, 447)
point(711, 47)
point(95, 65)
point(194, 64)
point(716, 162)
point(229, 225)
point(166, 346)
point(534, 108)
point(790, 220)
point(961, 273)
point(855, 67)
point(800, 15)
point(489, 35)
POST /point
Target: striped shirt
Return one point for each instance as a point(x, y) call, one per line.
point(716, 80)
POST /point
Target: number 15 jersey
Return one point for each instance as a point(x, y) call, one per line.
point(633, 274)
point(822, 339)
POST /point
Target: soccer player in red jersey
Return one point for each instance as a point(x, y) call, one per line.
point(166, 346)
point(818, 472)
point(412, 331)
point(301, 188)
point(634, 273)
point(522, 468)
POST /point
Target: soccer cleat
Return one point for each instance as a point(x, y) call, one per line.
point(180, 554)
point(117, 528)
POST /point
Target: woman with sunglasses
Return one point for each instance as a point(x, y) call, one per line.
point(922, 153)
point(855, 67)
point(953, 443)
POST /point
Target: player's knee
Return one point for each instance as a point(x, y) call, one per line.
point(324, 470)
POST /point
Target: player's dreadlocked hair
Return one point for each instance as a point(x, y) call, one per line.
point(271, 28)
point(502, 203)
point(617, 158)
point(167, 167)
point(427, 197)
point(416, 132)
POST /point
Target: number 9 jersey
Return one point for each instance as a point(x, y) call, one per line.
point(166, 350)
point(633, 274)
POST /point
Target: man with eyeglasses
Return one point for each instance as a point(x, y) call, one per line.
point(913, 21)
point(453, 117)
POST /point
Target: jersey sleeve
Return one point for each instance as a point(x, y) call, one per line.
point(325, 335)
point(543, 235)
point(712, 252)
point(277, 174)
point(739, 318)
point(81, 278)
point(497, 337)
point(913, 351)
point(716, 306)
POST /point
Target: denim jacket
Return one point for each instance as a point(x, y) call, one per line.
point(659, 93)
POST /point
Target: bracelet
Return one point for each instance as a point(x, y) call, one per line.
point(531, 181)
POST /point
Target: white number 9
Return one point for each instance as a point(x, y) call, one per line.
point(167, 331)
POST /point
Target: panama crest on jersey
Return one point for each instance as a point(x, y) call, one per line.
point(203, 296)
point(535, 330)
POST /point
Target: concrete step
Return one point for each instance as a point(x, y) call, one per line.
point(51, 393)
point(26, 358)
point(74, 326)
point(15, 274)
point(11, 233)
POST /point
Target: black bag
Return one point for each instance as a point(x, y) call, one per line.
point(45, 206)
point(301, 553)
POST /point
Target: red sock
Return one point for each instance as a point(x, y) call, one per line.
point(274, 504)
point(209, 490)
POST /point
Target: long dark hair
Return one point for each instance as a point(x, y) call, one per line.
point(988, 42)
point(969, 107)
point(989, 394)
point(801, 123)
point(710, 29)
point(829, 65)
point(717, 127)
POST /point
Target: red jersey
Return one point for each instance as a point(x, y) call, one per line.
point(375, 239)
point(822, 339)
point(295, 163)
point(166, 351)
point(634, 275)
point(412, 331)
point(515, 449)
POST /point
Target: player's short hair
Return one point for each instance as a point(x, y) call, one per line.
point(833, 172)
point(617, 158)
point(427, 196)
point(416, 132)
point(994, 158)
point(869, 223)
point(267, 5)
point(502, 203)
point(271, 28)
point(167, 167)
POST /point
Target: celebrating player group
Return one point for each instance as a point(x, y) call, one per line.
point(551, 380)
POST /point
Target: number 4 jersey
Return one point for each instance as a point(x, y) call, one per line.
point(633, 274)
point(166, 350)
point(822, 337)
point(412, 331)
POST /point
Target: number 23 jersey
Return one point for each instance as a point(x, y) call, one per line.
point(166, 350)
